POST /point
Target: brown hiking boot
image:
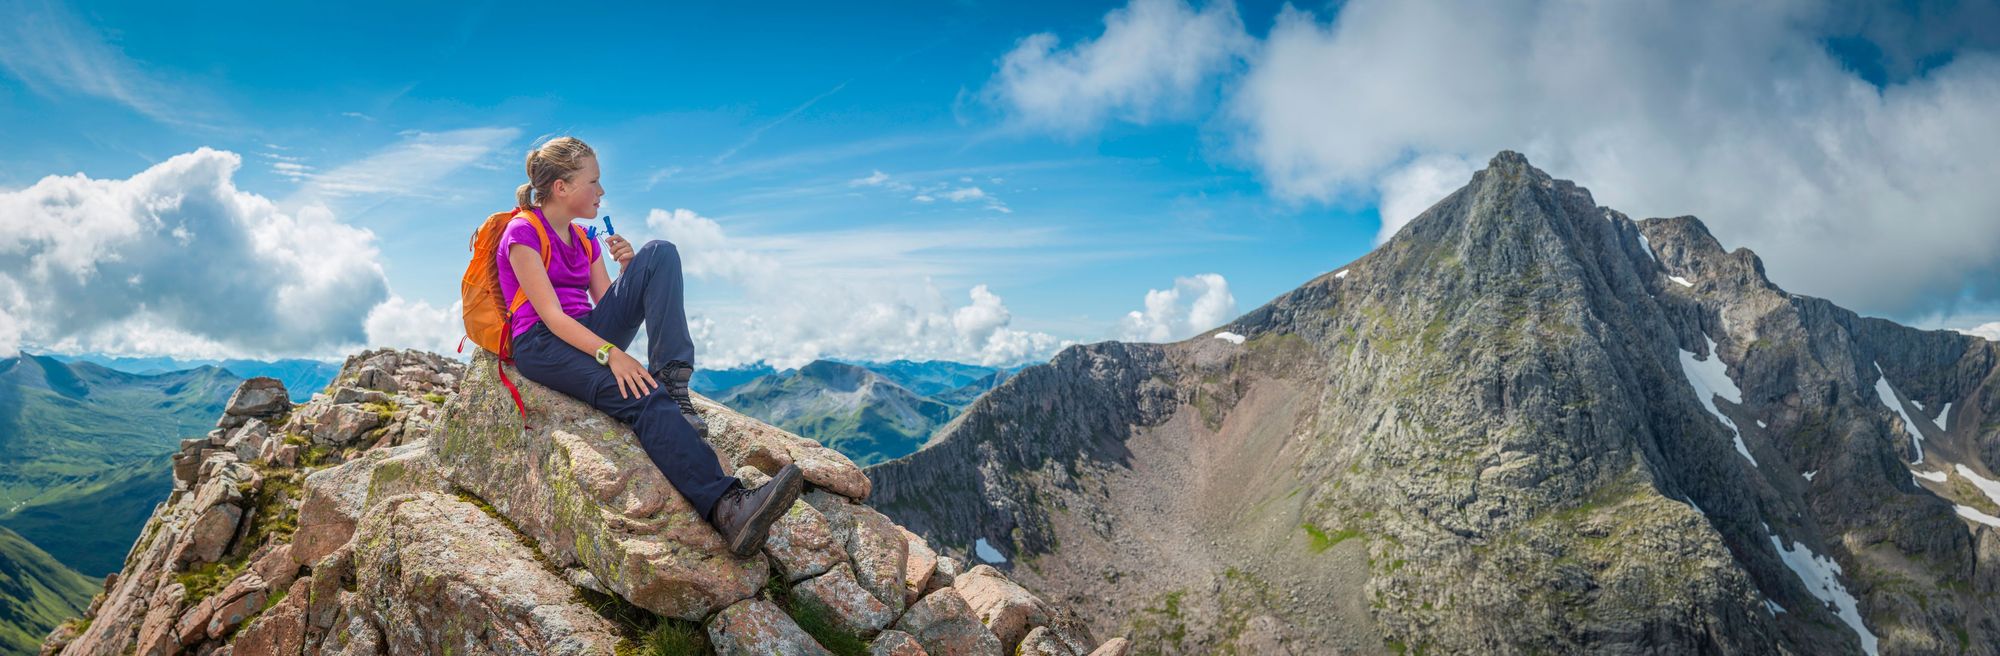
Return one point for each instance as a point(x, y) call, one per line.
point(744, 517)
point(675, 376)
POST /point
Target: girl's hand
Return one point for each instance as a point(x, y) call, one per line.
point(621, 250)
point(633, 380)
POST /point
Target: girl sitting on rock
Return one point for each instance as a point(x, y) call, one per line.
point(572, 335)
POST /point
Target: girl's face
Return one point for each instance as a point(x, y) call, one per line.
point(577, 196)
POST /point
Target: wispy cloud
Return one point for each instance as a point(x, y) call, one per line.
point(759, 131)
point(56, 53)
point(411, 167)
point(653, 180)
point(803, 159)
point(931, 193)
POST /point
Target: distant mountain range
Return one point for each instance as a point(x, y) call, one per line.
point(301, 377)
point(871, 412)
point(83, 450)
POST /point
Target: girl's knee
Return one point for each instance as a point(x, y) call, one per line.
point(660, 248)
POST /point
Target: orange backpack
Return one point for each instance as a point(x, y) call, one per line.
point(489, 319)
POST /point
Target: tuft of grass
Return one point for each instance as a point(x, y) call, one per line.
point(675, 638)
point(1322, 540)
point(273, 514)
point(641, 632)
point(814, 618)
point(209, 578)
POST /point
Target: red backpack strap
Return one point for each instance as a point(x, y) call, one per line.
point(518, 405)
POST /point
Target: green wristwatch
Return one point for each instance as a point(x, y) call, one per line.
point(604, 354)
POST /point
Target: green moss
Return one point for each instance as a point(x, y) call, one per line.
point(1159, 623)
point(1322, 540)
point(209, 578)
point(273, 514)
point(315, 455)
point(435, 398)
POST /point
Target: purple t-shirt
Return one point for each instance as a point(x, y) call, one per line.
point(569, 269)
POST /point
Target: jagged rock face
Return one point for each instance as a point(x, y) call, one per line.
point(445, 527)
point(1526, 423)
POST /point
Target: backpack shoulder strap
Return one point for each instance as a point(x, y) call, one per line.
point(583, 238)
point(542, 234)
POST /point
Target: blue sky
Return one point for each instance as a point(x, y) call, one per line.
point(970, 181)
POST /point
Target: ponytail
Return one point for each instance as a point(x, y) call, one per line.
point(556, 160)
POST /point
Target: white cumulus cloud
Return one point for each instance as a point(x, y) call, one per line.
point(1987, 330)
point(1193, 305)
point(178, 261)
point(403, 323)
point(1151, 61)
point(824, 296)
point(1874, 197)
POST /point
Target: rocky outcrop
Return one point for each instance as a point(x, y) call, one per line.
point(1527, 423)
point(408, 509)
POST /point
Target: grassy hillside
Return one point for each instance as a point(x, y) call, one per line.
point(82, 450)
point(36, 594)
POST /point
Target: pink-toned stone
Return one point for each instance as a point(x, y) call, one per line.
point(1042, 641)
point(1007, 609)
point(275, 565)
point(1113, 647)
point(193, 625)
point(341, 425)
point(581, 486)
point(875, 545)
point(422, 558)
point(754, 627)
point(917, 570)
point(241, 597)
point(336, 497)
point(895, 643)
point(945, 625)
point(332, 575)
point(157, 636)
point(743, 440)
point(852, 606)
point(280, 630)
point(802, 544)
point(944, 574)
point(209, 535)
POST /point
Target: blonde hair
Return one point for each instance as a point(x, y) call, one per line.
point(556, 160)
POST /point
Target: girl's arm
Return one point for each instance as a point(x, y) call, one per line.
point(633, 380)
point(599, 280)
point(542, 295)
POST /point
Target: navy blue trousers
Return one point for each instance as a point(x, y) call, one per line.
point(649, 292)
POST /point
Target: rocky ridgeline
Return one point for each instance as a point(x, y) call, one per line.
point(405, 510)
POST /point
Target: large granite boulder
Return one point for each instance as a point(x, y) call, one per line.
point(437, 575)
